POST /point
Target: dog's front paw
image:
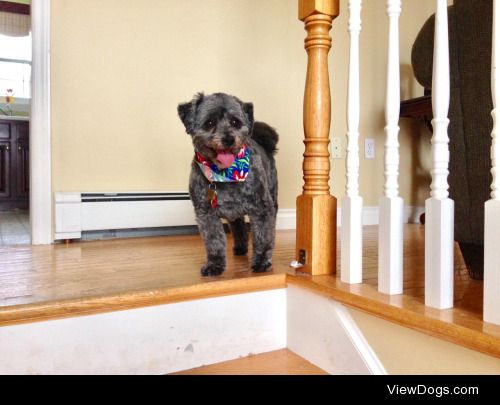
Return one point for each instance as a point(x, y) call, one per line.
point(211, 269)
point(261, 266)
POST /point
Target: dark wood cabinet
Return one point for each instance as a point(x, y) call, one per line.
point(14, 164)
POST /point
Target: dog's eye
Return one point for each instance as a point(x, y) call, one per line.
point(235, 122)
point(209, 124)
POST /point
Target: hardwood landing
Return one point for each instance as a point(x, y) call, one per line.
point(280, 362)
point(46, 282)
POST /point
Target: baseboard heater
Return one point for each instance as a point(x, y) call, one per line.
point(80, 212)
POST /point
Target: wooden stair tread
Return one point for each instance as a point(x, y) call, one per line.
point(280, 362)
point(47, 282)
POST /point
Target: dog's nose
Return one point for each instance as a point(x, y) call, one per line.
point(228, 141)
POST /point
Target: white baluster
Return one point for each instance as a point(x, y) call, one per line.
point(390, 256)
point(492, 207)
point(439, 208)
point(352, 203)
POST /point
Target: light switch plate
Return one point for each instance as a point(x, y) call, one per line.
point(369, 148)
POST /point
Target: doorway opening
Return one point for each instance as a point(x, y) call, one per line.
point(15, 107)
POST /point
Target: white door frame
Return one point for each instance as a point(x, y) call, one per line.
point(40, 129)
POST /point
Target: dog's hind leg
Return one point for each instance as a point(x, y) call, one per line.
point(213, 235)
point(263, 232)
point(240, 237)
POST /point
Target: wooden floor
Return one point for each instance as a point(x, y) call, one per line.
point(280, 362)
point(46, 282)
point(42, 282)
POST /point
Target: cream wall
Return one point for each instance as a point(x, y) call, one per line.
point(406, 351)
point(120, 67)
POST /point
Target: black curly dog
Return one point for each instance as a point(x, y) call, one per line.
point(220, 124)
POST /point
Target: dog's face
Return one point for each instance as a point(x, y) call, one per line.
point(219, 125)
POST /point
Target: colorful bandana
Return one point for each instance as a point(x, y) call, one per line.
point(237, 172)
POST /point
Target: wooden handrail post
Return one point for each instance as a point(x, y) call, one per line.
point(316, 207)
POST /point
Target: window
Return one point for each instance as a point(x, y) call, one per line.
point(15, 65)
point(15, 50)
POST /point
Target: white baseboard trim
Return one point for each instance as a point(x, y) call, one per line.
point(287, 218)
point(370, 216)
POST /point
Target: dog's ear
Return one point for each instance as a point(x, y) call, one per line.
point(186, 114)
point(187, 111)
point(248, 110)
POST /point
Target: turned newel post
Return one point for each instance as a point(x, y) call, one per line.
point(316, 208)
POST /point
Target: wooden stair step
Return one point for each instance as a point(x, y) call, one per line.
point(280, 362)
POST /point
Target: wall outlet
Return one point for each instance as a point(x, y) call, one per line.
point(336, 148)
point(369, 148)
